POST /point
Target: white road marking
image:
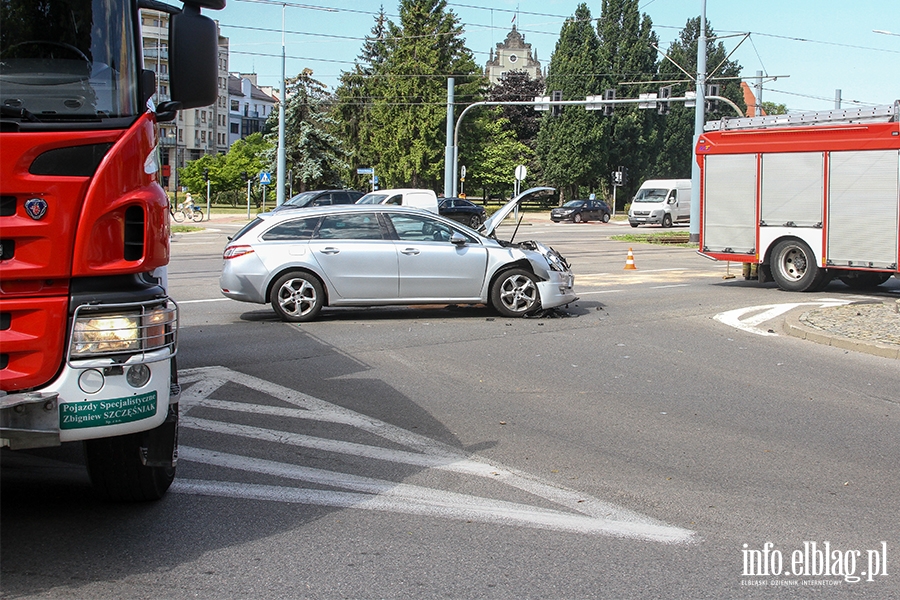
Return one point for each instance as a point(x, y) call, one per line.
point(760, 314)
point(180, 302)
point(577, 512)
point(664, 287)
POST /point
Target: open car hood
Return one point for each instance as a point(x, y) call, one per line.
point(490, 225)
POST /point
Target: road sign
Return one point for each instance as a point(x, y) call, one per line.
point(265, 178)
point(365, 170)
point(521, 171)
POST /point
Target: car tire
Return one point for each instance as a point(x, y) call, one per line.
point(474, 221)
point(515, 293)
point(794, 267)
point(667, 221)
point(634, 224)
point(606, 217)
point(297, 297)
point(577, 218)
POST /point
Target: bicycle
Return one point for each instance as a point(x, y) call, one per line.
point(190, 212)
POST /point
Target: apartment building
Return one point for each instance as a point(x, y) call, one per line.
point(194, 132)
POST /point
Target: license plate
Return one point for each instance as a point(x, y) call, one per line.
point(99, 413)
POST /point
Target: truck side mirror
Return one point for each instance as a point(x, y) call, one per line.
point(193, 58)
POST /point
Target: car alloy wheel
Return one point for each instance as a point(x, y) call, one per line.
point(515, 293)
point(297, 297)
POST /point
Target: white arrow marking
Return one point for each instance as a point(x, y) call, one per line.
point(584, 514)
point(767, 312)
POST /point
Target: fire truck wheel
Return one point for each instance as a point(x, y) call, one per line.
point(794, 267)
point(118, 474)
point(297, 297)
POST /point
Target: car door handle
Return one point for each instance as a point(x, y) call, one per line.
point(329, 250)
point(410, 251)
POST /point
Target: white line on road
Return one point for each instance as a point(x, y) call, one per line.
point(180, 302)
point(760, 314)
point(579, 513)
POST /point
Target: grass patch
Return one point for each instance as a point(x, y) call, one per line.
point(185, 228)
point(677, 238)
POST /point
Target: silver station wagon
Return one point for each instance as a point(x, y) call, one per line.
point(370, 255)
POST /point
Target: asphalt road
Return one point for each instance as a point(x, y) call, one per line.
point(630, 446)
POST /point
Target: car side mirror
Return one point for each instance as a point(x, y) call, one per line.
point(458, 239)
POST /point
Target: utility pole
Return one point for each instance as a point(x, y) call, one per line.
point(279, 182)
point(699, 117)
point(449, 149)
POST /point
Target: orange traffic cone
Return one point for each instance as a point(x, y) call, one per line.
point(629, 263)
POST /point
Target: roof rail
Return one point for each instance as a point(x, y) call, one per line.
point(880, 114)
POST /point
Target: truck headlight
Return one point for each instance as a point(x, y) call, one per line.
point(104, 334)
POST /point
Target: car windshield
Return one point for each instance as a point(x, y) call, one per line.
point(67, 60)
point(372, 198)
point(651, 195)
point(301, 199)
point(573, 204)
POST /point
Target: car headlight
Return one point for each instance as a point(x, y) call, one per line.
point(100, 334)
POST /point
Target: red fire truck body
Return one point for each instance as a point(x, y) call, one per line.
point(805, 198)
point(88, 334)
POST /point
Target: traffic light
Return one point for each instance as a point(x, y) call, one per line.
point(712, 90)
point(608, 108)
point(556, 97)
point(662, 105)
point(205, 174)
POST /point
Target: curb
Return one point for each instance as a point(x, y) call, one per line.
point(794, 327)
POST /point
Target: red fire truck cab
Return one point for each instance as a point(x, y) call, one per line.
point(88, 334)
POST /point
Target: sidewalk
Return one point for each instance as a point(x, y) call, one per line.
point(872, 327)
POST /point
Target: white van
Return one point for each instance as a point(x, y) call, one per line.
point(424, 199)
point(663, 201)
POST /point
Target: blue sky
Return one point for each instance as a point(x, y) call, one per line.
point(813, 46)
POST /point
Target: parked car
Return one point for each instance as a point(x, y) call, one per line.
point(319, 198)
point(377, 254)
point(462, 211)
point(582, 210)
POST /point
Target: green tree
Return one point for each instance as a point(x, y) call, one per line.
point(407, 117)
point(314, 153)
point(772, 108)
point(570, 144)
point(627, 54)
point(494, 161)
point(677, 151)
point(354, 97)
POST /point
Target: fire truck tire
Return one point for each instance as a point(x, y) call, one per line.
point(118, 474)
point(864, 280)
point(794, 267)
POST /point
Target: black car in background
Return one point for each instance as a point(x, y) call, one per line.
point(462, 211)
point(578, 211)
point(320, 198)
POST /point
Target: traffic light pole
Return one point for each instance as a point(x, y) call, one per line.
point(590, 103)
